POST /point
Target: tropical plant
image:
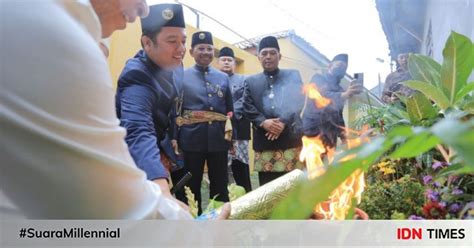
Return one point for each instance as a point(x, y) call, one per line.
point(396, 199)
point(445, 125)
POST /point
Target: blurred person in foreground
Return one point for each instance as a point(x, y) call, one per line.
point(64, 155)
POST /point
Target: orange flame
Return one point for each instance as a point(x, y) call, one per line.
point(311, 152)
point(339, 202)
point(313, 93)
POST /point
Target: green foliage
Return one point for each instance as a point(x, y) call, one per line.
point(382, 118)
point(381, 199)
point(415, 145)
point(301, 201)
point(457, 64)
point(398, 216)
point(419, 108)
point(431, 91)
point(425, 69)
point(424, 133)
point(235, 191)
point(468, 88)
point(445, 84)
point(213, 204)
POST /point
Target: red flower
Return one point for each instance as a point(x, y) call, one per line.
point(432, 210)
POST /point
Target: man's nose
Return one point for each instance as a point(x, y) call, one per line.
point(143, 9)
point(181, 48)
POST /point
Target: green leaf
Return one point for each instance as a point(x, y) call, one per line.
point(425, 69)
point(235, 191)
point(469, 107)
point(416, 145)
point(455, 169)
point(213, 204)
point(432, 92)
point(401, 131)
point(468, 88)
point(457, 64)
point(420, 108)
point(459, 136)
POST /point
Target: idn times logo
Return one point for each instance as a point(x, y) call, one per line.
point(404, 233)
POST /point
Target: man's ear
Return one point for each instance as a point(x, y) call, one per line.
point(191, 52)
point(279, 56)
point(146, 42)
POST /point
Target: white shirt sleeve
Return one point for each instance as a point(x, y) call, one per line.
point(63, 151)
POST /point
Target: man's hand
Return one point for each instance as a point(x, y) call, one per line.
point(233, 148)
point(165, 190)
point(225, 213)
point(353, 89)
point(274, 127)
point(174, 144)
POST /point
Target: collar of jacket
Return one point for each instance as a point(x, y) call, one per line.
point(201, 68)
point(157, 70)
point(272, 73)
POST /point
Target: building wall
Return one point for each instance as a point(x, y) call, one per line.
point(442, 17)
point(295, 58)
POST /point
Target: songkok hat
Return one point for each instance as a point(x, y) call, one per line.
point(202, 37)
point(226, 52)
point(268, 41)
point(163, 15)
point(341, 57)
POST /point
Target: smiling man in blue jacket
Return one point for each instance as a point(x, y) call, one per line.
point(149, 94)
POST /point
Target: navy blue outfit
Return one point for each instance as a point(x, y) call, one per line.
point(206, 89)
point(275, 94)
point(328, 122)
point(270, 95)
point(146, 99)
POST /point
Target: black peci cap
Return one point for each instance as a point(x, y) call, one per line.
point(163, 15)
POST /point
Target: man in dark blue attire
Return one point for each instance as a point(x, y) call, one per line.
point(239, 152)
point(273, 102)
point(328, 122)
point(148, 95)
point(204, 125)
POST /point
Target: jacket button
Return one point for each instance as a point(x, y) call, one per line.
point(211, 108)
point(273, 107)
point(210, 95)
point(210, 122)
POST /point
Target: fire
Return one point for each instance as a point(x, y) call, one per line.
point(339, 202)
point(311, 152)
point(313, 93)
